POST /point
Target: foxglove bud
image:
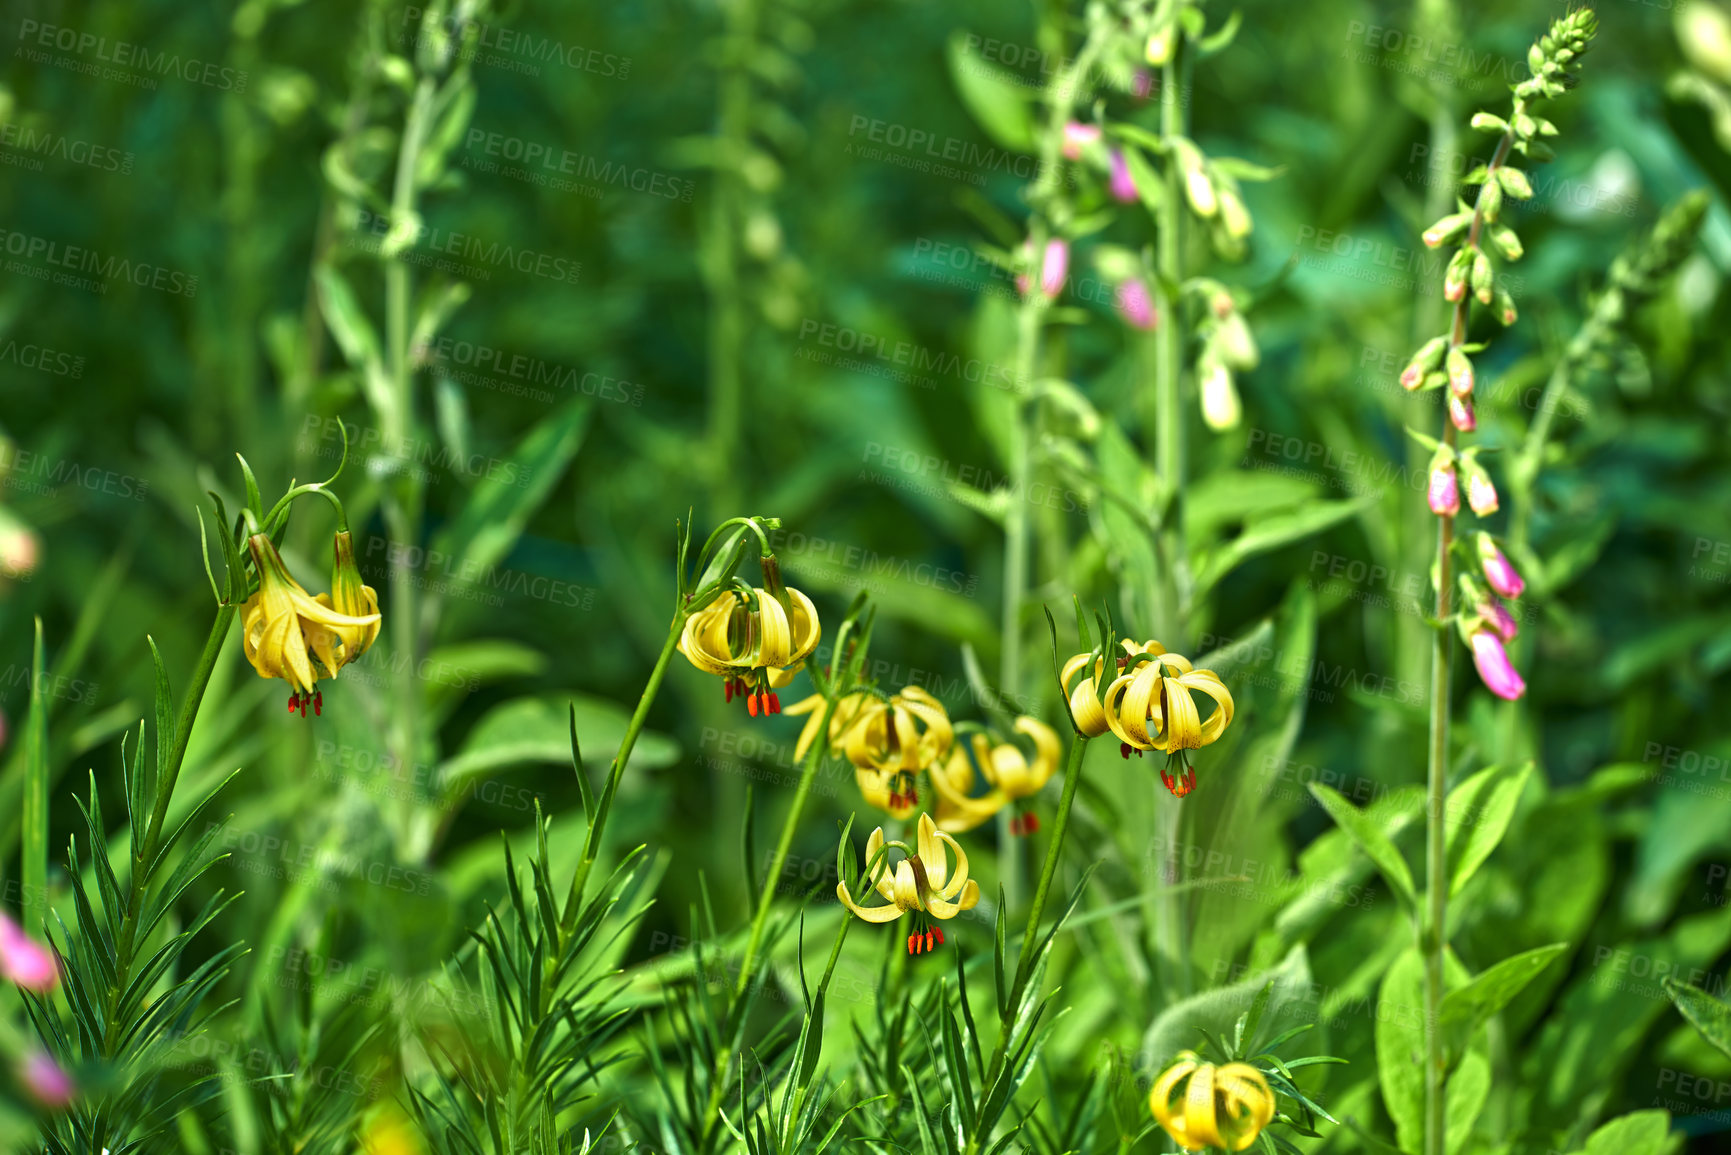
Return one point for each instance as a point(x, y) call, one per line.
point(1495, 669)
point(1237, 347)
point(1515, 183)
point(1423, 362)
point(1484, 281)
point(1122, 184)
point(1055, 268)
point(1078, 136)
point(1234, 215)
point(1160, 46)
point(1447, 229)
point(1496, 615)
point(1506, 307)
point(1199, 190)
point(1460, 368)
point(1136, 304)
point(1507, 242)
point(1481, 493)
point(1444, 493)
point(1455, 280)
point(1220, 406)
point(1497, 570)
point(1461, 413)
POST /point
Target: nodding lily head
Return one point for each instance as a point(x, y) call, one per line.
point(283, 628)
point(1202, 1105)
point(1085, 691)
point(755, 641)
point(1152, 706)
point(891, 741)
point(1008, 774)
point(922, 884)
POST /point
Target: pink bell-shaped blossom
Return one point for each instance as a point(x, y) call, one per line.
point(1444, 494)
point(1492, 660)
point(1122, 184)
point(1498, 572)
point(1078, 136)
point(1136, 304)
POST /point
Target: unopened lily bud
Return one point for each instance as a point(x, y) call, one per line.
point(1220, 405)
point(1159, 49)
point(1199, 190)
point(1447, 229)
point(1461, 413)
point(1455, 280)
point(1136, 304)
point(1423, 362)
point(1237, 346)
point(1443, 493)
point(1460, 368)
point(1495, 670)
point(1234, 215)
point(1497, 570)
point(1078, 136)
point(1484, 281)
point(1122, 184)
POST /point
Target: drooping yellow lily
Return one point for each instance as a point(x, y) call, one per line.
point(280, 622)
point(1160, 692)
point(847, 710)
point(922, 883)
point(890, 742)
point(336, 647)
point(1084, 697)
point(757, 651)
point(1201, 1105)
point(1008, 773)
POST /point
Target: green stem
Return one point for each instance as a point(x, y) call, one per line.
point(166, 777)
point(1030, 936)
point(592, 840)
point(783, 846)
point(1433, 936)
point(727, 332)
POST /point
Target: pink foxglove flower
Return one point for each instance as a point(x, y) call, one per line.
point(1078, 136)
point(1055, 268)
point(47, 1083)
point(1492, 660)
point(1461, 413)
point(1496, 615)
point(24, 960)
point(1498, 572)
point(1444, 494)
point(1123, 185)
point(1136, 304)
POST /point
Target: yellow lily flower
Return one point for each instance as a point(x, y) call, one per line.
point(1160, 691)
point(1090, 719)
point(1008, 774)
point(756, 651)
point(847, 710)
point(889, 743)
point(1201, 1105)
point(922, 883)
point(280, 623)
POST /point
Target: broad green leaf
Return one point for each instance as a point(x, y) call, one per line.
point(1707, 1014)
point(1477, 815)
point(538, 729)
point(998, 101)
point(1637, 1133)
point(1370, 838)
point(1464, 1098)
point(1275, 531)
point(504, 499)
point(1400, 1060)
point(1466, 1008)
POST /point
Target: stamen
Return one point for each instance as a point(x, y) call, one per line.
point(774, 704)
point(928, 940)
point(751, 704)
point(319, 704)
point(1124, 750)
point(729, 689)
point(294, 700)
point(939, 931)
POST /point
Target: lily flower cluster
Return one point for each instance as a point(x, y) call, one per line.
point(284, 629)
point(1149, 704)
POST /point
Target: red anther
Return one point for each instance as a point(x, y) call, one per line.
point(774, 704)
point(751, 704)
point(913, 796)
point(729, 690)
point(304, 697)
point(928, 940)
point(939, 931)
point(911, 948)
point(319, 703)
point(1030, 822)
point(1124, 750)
